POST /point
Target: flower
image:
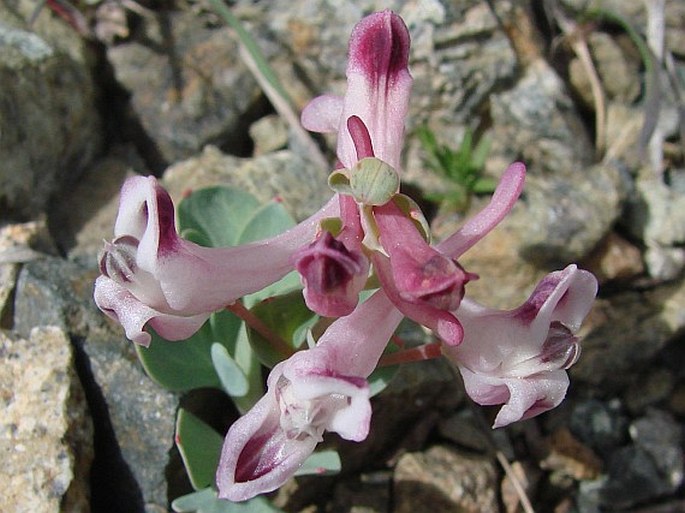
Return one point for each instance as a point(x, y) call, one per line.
point(151, 276)
point(518, 358)
point(378, 88)
point(332, 275)
point(316, 390)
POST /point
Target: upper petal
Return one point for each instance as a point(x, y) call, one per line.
point(378, 86)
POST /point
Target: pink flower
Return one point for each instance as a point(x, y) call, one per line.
point(314, 391)
point(332, 275)
point(518, 358)
point(378, 88)
point(151, 276)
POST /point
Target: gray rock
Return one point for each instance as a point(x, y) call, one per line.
point(366, 494)
point(602, 426)
point(79, 232)
point(45, 430)
point(633, 478)
point(661, 436)
point(656, 215)
point(48, 114)
point(183, 78)
point(134, 417)
point(624, 335)
point(650, 388)
point(537, 122)
point(19, 243)
point(463, 429)
point(269, 133)
point(446, 480)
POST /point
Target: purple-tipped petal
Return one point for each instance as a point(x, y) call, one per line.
point(257, 457)
point(520, 398)
point(507, 192)
point(378, 87)
point(176, 278)
point(518, 358)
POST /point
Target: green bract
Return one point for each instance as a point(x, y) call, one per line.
point(371, 182)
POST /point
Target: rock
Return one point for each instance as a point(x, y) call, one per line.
point(269, 133)
point(661, 436)
point(536, 121)
point(617, 73)
point(602, 426)
point(650, 388)
point(647, 320)
point(79, 232)
point(183, 78)
point(446, 480)
point(133, 417)
point(676, 401)
point(656, 215)
point(633, 478)
point(283, 175)
point(19, 243)
point(45, 432)
point(615, 259)
point(569, 457)
point(649, 468)
point(48, 116)
point(463, 429)
point(366, 494)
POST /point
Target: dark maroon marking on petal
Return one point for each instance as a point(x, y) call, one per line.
point(166, 219)
point(381, 46)
point(258, 458)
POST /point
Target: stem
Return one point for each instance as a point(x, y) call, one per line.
point(254, 322)
point(415, 354)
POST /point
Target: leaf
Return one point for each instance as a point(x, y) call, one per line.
point(217, 215)
point(206, 501)
point(321, 463)
point(187, 364)
point(229, 372)
point(286, 316)
point(200, 448)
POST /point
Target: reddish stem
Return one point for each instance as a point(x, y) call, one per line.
point(415, 354)
point(254, 322)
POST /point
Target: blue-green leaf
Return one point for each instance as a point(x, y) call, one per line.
point(230, 374)
point(206, 501)
point(187, 364)
point(321, 463)
point(200, 448)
